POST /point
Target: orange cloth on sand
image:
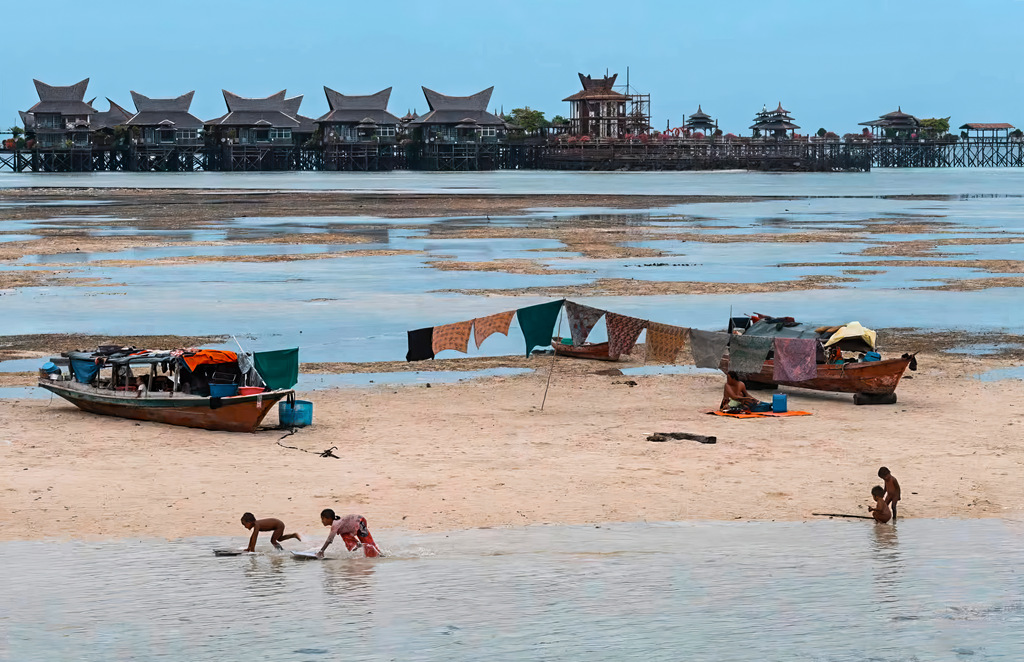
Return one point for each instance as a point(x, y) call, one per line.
point(760, 414)
point(483, 327)
point(205, 356)
point(452, 336)
point(664, 342)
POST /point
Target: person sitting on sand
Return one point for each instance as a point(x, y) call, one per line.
point(881, 511)
point(892, 489)
point(352, 529)
point(736, 396)
point(249, 521)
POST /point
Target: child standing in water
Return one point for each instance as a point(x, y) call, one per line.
point(881, 511)
point(892, 489)
point(352, 529)
point(249, 521)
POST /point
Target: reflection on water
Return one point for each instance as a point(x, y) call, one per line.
point(824, 590)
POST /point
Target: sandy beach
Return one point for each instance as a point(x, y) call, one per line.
point(482, 454)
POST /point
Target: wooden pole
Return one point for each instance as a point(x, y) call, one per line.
point(554, 355)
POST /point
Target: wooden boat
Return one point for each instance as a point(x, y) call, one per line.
point(874, 378)
point(595, 351)
point(241, 413)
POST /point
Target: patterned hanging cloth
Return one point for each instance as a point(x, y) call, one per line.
point(622, 332)
point(581, 320)
point(795, 359)
point(538, 323)
point(664, 342)
point(484, 327)
point(708, 347)
point(451, 336)
point(747, 353)
point(421, 342)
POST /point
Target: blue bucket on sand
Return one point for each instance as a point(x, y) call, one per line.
point(779, 404)
point(296, 414)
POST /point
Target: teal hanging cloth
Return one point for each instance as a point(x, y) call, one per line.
point(538, 323)
point(279, 369)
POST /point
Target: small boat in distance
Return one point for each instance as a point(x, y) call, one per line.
point(191, 388)
point(595, 351)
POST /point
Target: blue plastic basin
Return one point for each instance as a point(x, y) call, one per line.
point(223, 390)
point(295, 415)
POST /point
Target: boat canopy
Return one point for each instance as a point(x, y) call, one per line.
point(852, 337)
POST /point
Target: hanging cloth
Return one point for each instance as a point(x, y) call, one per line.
point(279, 369)
point(538, 323)
point(664, 342)
point(484, 327)
point(421, 343)
point(708, 347)
point(623, 331)
point(451, 336)
point(795, 359)
point(748, 353)
point(581, 320)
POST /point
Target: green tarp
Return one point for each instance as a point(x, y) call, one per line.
point(279, 369)
point(538, 323)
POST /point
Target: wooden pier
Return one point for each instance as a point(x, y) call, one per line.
point(673, 154)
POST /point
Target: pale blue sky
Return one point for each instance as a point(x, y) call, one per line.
point(832, 64)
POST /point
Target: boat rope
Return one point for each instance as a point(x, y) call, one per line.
point(326, 453)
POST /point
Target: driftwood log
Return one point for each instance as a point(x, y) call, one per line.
point(665, 436)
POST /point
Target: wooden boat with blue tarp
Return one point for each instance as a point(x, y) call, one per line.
point(207, 389)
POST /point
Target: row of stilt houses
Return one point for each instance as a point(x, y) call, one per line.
point(609, 127)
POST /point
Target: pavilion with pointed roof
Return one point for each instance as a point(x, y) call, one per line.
point(165, 121)
point(354, 118)
point(274, 119)
point(701, 121)
point(456, 119)
point(896, 124)
point(597, 110)
point(61, 115)
point(776, 123)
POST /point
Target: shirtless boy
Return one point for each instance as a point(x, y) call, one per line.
point(249, 521)
point(892, 489)
point(881, 511)
point(736, 395)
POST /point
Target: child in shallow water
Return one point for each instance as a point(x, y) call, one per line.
point(881, 511)
point(249, 521)
point(353, 531)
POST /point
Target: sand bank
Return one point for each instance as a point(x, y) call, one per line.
point(482, 454)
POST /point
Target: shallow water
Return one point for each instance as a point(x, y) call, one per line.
point(825, 590)
point(359, 307)
point(999, 374)
point(881, 181)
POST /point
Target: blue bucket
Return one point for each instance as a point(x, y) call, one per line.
point(296, 415)
point(223, 390)
point(779, 404)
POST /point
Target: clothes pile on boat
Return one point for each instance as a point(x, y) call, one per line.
point(797, 348)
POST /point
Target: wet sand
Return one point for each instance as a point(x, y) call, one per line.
point(482, 454)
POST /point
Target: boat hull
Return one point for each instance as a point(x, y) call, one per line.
point(871, 378)
point(593, 351)
point(236, 414)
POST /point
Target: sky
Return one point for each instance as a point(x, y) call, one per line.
point(831, 63)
